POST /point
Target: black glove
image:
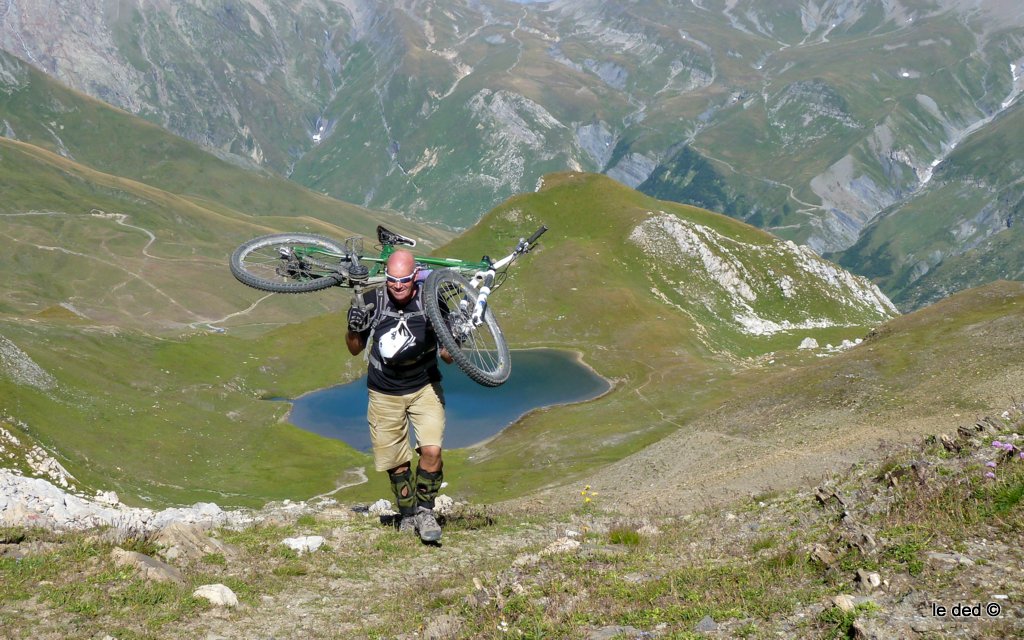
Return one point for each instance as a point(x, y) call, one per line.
point(358, 318)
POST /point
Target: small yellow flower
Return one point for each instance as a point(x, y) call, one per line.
point(586, 488)
point(586, 500)
point(583, 493)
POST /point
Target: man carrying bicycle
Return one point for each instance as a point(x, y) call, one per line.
point(404, 385)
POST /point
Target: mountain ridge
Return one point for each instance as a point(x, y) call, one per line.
point(370, 102)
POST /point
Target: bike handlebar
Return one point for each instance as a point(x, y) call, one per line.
point(536, 234)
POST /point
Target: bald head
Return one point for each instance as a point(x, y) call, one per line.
point(401, 264)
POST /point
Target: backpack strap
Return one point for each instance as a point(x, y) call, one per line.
point(379, 309)
point(382, 311)
point(378, 313)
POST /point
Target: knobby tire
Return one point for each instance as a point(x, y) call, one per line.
point(259, 264)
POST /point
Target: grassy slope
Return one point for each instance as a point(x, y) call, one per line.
point(580, 291)
point(180, 420)
point(48, 115)
point(60, 252)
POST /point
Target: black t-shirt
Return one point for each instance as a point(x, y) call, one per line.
point(409, 360)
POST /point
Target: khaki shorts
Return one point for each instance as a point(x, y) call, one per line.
point(390, 416)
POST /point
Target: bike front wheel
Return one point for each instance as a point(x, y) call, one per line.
point(479, 350)
point(288, 263)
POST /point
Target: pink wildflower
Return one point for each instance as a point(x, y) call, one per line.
point(990, 464)
point(990, 475)
point(997, 444)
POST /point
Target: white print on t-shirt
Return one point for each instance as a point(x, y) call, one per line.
point(395, 341)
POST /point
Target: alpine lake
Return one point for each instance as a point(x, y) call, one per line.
point(474, 413)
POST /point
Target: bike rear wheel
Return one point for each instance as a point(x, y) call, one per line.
point(288, 263)
point(480, 351)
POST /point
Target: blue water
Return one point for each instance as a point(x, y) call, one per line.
point(540, 378)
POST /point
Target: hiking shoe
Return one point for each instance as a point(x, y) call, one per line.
point(407, 525)
point(426, 525)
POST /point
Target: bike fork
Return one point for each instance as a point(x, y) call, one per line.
point(481, 300)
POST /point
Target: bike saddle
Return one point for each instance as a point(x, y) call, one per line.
point(386, 237)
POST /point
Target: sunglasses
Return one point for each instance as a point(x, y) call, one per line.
point(402, 280)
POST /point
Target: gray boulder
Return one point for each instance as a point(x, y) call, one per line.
point(146, 567)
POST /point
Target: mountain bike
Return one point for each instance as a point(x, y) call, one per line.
point(455, 292)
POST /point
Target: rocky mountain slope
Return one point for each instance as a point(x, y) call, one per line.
point(442, 110)
point(923, 542)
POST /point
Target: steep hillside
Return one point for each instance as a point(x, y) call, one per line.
point(964, 227)
point(918, 375)
point(169, 420)
point(229, 76)
point(875, 550)
point(113, 251)
point(737, 290)
point(123, 223)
